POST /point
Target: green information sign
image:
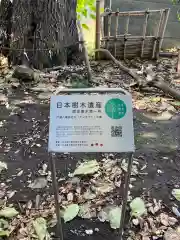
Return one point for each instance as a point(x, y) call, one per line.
point(115, 108)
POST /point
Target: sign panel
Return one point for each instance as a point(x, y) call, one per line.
point(91, 123)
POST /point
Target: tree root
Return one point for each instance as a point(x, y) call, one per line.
point(156, 81)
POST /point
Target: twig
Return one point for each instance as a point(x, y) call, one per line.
point(156, 81)
point(122, 67)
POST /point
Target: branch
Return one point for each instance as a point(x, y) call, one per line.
point(156, 81)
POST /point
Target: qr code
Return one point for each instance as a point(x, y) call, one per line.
point(116, 131)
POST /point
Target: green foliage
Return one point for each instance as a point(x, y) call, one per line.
point(178, 12)
point(86, 9)
point(175, 1)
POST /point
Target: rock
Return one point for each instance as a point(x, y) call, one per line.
point(24, 73)
point(171, 234)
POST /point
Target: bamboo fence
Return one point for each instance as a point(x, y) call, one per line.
point(126, 45)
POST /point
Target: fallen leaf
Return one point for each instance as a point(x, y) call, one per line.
point(88, 195)
point(38, 183)
point(135, 221)
point(86, 211)
point(172, 221)
point(171, 234)
point(10, 194)
point(176, 194)
point(8, 212)
point(4, 228)
point(3, 166)
point(155, 99)
point(70, 212)
point(114, 217)
point(103, 187)
point(176, 211)
point(20, 173)
point(70, 197)
point(138, 207)
point(89, 231)
point(40, 227)
point(87, 168)
point(164, 219)
point(103, 214)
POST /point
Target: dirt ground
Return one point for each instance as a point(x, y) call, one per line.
point(157, 146)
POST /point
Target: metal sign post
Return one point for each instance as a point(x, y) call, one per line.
point(89, 121)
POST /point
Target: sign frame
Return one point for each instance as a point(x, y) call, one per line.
point(53, 165)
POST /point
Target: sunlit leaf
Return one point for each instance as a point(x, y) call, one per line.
point(4, 233)
point(40, 227)
point(4, 228)
point(93, 8)
point(70, 212)
point(87, 168)
point(93, 16)
point(8, 212)
point(176, 194)
point(114, 217)
point(85, 26)
point(137, 207)
point(85, 12)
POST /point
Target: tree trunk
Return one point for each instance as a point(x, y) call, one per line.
point(5, 26)
point(73, 53)
point(42, 31)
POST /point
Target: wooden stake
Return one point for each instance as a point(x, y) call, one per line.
point(157, 33)
point(125, 35)
point(98, 19)
point(116, 32)
point(86, 57)
point(166, 16)
point(144, 31)
point(178, 63)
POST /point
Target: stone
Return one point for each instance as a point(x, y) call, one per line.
point(24, 73)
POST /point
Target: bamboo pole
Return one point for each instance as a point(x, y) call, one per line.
point(125, 35)
point(97, 40)
point(166, 16)
point(116, 32)
point(144, 31)
point(178, 63)
point(157, 33)
point(128, 36)
point(129, 13)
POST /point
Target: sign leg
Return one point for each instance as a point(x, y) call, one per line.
point(56, 197)
point(125, 195)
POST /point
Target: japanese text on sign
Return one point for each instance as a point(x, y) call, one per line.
point(91, 123)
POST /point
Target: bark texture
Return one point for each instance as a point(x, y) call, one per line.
point(42, 31)
point(5, 26)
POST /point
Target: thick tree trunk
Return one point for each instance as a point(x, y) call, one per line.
point(5, 26)
point(42, 32)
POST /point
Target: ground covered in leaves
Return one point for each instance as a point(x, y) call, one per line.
point(90, 185)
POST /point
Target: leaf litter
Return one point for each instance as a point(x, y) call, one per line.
point(90, 192)
point(93, 190)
